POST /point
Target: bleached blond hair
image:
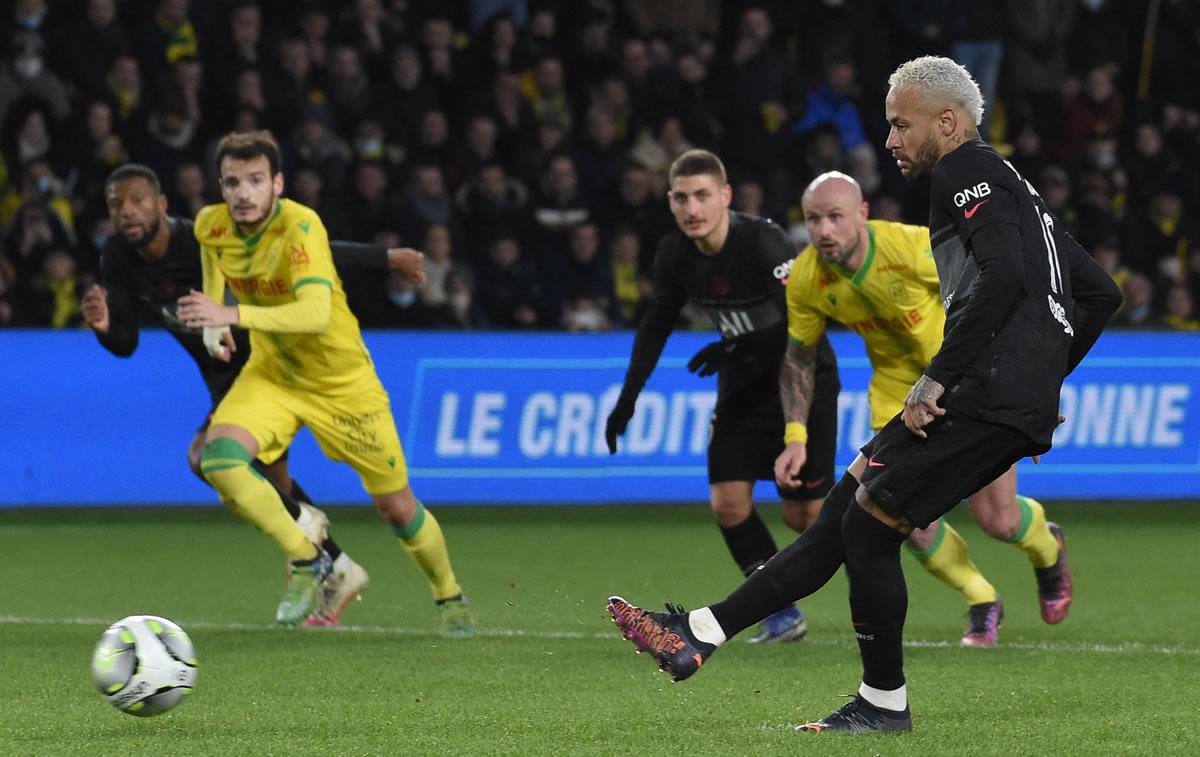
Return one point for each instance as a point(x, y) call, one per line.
point(942, 79)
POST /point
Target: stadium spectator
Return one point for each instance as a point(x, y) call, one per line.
point(508, 288)
point(123, 88)
point(348, 87)
point(56, 291)
point(630, 286)
point(606, 83)
point(490, 201)
point(1137, 311)
point(1035, 57)
point(10, 309)
point(640, 205)
point(189, 190)
point(89, 45)
point(1095, 109)
point(166, 36)
point(600, 155)
point(1181, 309)
point(25, 75)
point(461, 312)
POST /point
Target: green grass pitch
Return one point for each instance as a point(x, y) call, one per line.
point(548, 673)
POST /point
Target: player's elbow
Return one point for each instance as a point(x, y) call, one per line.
point(1110, 297)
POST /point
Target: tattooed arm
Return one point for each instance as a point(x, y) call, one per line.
point(797, 378)
point(921, 405)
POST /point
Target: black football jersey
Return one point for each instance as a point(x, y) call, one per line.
point(742, 288)
point(145, 292)
point(1007, 348)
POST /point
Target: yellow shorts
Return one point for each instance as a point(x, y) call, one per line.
point(356, 428)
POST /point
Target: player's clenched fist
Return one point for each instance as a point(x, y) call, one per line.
point(407, 262)
point(95, 308)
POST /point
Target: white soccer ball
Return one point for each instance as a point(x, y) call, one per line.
point(144, 665)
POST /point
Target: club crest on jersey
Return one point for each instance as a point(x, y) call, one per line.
point(299, 256)
point(977, 192)
point(720, 286)
point(898, 292)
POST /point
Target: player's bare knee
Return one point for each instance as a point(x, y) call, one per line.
point(798, 515)
point(193, 458)
point(730, 511)
point(999, 518)
point(398, 507)
point(921, 539)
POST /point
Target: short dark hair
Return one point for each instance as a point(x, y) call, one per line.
point(131, 170)
point(247, 146)
point(697, 163)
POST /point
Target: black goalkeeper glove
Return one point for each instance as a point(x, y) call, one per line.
point(712, 357)
point(618, 421)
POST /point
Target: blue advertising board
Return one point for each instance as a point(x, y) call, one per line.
point(519, 418)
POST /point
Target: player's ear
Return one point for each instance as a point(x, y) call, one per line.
point(162, 203)
point(726, 195)
point(278, 182)
point(947, 121)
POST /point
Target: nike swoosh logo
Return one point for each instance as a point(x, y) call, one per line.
point(815, 484)
point(873, 464)
point(971, 212)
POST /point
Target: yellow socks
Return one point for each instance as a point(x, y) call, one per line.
point(948, 560)
point(1033, 537)
point(226, 465)
point(422, 539)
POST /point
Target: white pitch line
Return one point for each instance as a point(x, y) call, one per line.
point(1133, 647)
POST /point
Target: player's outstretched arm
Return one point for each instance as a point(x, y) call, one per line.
point(797, 381)
point(405, 260)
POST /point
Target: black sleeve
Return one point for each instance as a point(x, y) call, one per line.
point(1096, 297)
point(122, 337)
point(665, 306)
point(778, 253)
point(358, 254)
point(997, 250)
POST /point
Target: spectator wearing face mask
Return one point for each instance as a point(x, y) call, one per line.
point(461, 312)
point(24, 74)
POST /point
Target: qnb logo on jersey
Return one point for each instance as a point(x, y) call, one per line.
point(1060, 315)
point(976, 195)
point(782, 271)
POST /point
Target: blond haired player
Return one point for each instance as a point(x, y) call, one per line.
point(308, 367)
point(878, 278)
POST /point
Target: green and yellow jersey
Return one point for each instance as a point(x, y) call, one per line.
point(892, 301)
point(289, 296)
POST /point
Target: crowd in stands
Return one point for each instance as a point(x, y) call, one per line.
point(523, 144)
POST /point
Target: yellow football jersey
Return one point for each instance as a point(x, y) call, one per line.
point(893, 302)
point(267, 269)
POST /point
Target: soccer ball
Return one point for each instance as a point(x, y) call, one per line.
point(144, 665)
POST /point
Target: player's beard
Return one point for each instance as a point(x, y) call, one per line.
point(265, 212)
point(842, 255)
point(151, 232)
point(926, 158)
